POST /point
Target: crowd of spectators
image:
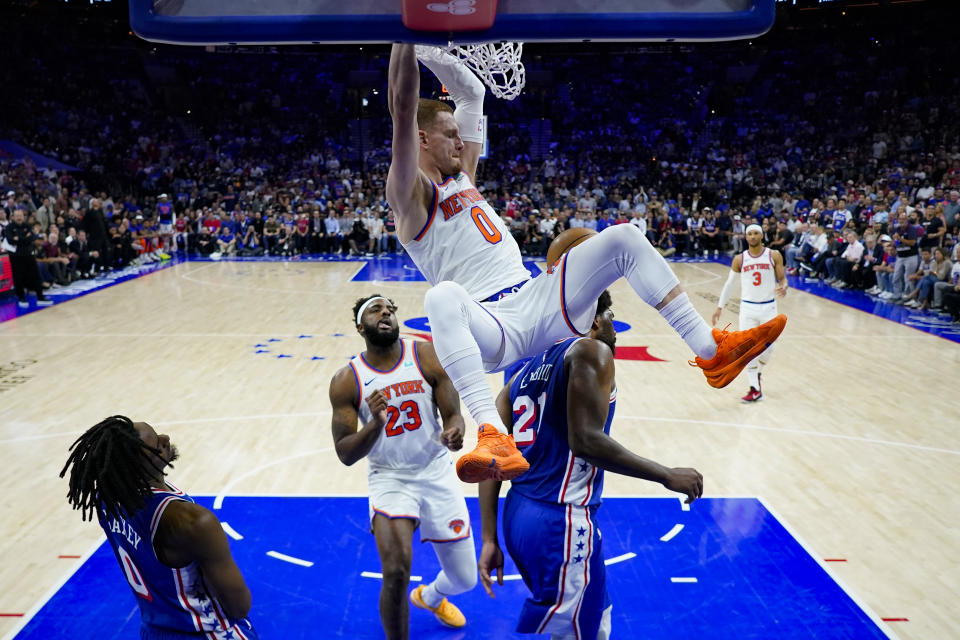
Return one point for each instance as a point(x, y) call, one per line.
point(851, 165)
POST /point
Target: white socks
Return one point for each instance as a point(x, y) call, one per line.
point(753, 372)
point(463, 332)
point(458, 574)
point(465, 369)
point(691, 326)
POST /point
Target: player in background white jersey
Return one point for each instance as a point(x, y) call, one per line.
point(400, 394)
point(762, 277)
point(485, 311)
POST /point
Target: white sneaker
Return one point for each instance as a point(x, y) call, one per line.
point(215, 255)
point(23, 304)
point(913, 304)
point(46, 302)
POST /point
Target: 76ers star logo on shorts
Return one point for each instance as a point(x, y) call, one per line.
point(457, 525)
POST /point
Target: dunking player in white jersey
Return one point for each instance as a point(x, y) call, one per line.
point(397, 389)
point(484, 309)
point(761, 276)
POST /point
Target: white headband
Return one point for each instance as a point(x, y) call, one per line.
point(367, 304)
point(753, 227)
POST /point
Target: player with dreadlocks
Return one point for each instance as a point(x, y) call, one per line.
point(173, 552)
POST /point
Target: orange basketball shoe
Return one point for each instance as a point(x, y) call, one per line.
point(735, 350)
point(445, 612)
point(495, 458)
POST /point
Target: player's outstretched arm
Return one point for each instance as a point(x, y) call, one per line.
point(589, 382)
point(352, 445)
point(780, 272)
point(405, 188)
point(728, 286)
point(192, 533)
point(490, 561)
point(467, 91)
point(444, 395)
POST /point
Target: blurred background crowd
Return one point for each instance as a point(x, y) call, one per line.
point(835, 133)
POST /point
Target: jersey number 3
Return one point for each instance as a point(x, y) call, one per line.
point(410, 411)
point(757, 278)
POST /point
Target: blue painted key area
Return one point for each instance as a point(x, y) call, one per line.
point(753, 579)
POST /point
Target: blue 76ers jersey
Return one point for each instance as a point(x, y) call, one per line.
point(538, 395)
point(170, 599)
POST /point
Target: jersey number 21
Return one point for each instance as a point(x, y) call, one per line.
point(526, 413)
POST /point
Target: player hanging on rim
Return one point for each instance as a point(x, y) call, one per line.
point(485, 311)
point(173, 552)
point(761, 276)
point(397, 389)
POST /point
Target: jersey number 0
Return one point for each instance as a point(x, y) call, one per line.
point(487, 229)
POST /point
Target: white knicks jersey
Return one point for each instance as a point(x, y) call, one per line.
point(411, 438)
point(757, 277)
point(464, 240)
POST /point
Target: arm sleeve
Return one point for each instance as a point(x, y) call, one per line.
point(727, 289)
point(466, 89)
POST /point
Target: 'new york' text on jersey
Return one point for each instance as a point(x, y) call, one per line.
point(465, 241)
point(411, 438)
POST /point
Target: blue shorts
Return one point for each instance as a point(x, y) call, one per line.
point(148, 632)
point(558, 552)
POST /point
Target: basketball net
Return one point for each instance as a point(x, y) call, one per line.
point(498, 64)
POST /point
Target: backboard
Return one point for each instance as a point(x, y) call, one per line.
point(380, 21)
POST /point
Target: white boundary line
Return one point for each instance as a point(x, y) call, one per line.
point(713, 276)
point(670, 535)
point(230, 531)
point(709, 423)
point(218, 501)
point(512, 576)
point(823, 565)
point(290, 559)
point(379, 576)
point(630, 555)
point(28, 616)
point(683, 580)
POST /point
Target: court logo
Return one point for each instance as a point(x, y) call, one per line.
point(457, 525)
point(454, 7)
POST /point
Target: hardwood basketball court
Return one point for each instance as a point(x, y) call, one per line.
point(855, 446)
